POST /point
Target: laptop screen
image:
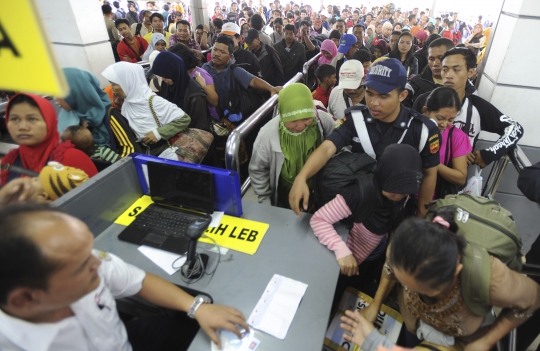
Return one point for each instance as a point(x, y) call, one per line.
point(180, 187)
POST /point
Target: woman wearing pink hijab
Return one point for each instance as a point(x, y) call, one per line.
point(422, 36)
point(329, 51)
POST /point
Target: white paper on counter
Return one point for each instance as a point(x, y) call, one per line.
point(222, 250)
point(163, 259)
point(216, 218)
point(277, 306)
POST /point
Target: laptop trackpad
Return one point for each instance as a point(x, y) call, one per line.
point(154, 239)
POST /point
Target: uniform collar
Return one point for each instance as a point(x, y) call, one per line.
point(211, 65)
point(27, 335)
point(400, 122)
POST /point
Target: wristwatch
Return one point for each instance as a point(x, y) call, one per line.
point(199, 300)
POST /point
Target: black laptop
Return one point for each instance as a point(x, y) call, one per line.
point(181, 196)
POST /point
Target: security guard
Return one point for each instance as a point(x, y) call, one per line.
point(371, 128)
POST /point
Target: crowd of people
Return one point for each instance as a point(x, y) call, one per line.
point(391, 84)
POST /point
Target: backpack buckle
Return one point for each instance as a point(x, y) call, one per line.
point(462, 216)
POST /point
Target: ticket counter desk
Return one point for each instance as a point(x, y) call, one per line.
point(289, 248)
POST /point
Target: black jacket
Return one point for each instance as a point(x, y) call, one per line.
point(421, 83)
point(196, 106)
point(411, 65)
point(292, 61)
point(529, 182)
point(424, 83)
point(339, 63)
point(421, 56)
point(312, 54)
point(270, 64)
point(247, 61)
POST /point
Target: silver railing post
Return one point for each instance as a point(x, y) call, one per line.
point(232, 148)
point(519, 160)
point(307, 65)
point(495, 176)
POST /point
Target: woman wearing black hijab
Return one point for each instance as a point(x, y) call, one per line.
point(375, 204)
point(183, 91)
point(133, 15)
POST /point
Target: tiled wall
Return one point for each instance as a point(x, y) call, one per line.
point(78, 35)
point(511, 76)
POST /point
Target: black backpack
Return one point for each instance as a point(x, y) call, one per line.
point(138, 29)
point(240, 103)
point(342, 171)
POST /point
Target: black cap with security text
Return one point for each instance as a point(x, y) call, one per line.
point(386, 75)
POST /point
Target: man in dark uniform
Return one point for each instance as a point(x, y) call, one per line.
point(383, 122)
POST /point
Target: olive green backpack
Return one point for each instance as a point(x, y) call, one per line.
point(489, 230)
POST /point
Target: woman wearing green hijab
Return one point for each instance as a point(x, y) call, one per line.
point(285, 143)
point(87, 102)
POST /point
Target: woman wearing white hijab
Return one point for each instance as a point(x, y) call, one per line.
point(156, 43)
point(128, 80)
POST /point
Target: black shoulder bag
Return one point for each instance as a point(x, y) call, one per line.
point(241, 103)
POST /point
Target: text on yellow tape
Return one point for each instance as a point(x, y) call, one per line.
point(234, 233)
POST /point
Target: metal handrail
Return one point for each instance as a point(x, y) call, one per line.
point(495, 177)
point(307, 65)
point(519, 160)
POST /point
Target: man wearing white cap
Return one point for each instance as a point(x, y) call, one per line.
point(324, 17)
point(246, 59)
point(346, 49)
point(350, 91)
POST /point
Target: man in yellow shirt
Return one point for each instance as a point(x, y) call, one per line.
point(158, 22)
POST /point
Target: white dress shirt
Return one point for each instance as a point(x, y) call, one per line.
point(95, 325)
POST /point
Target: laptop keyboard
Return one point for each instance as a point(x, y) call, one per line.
point(164, 221)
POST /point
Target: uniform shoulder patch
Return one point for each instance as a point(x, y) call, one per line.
point(340, 122)
point(103, 255)
point(434, 144)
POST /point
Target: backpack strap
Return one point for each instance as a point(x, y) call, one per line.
point(346, 98)
point(320, 123)
point(361, 129)
point(449, 144)
point(423, 135)
point(475, 279)
point(231, 77)
point(469, 116)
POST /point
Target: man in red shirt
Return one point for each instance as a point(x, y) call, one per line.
point(451, 34)
point(132, 47)
point(326, 79)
